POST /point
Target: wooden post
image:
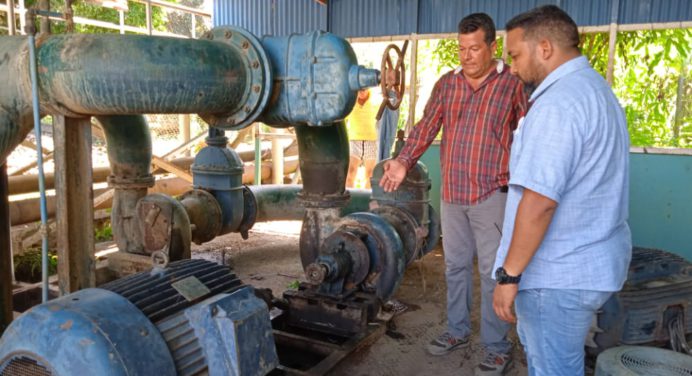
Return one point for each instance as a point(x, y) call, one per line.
point(22, 17)
point(184, 130)
point(504, 47)
point(612, 38)
point(148, 15)
point(45, 21)
point(277, 161)
point(75, 214)
point(258, 154)
point(10, 18)
point(194, 25)
point(121, 15)
point(412, 87)
point(5, 253)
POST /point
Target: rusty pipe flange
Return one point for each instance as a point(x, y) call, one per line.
point(259, 78)
point(120, 182)
point(321, 201)
point(407, 227)
point(204, 213)
point(249, 212)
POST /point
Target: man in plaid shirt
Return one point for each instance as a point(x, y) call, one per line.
point(477, 106)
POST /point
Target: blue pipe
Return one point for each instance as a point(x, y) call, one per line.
point(41, 176)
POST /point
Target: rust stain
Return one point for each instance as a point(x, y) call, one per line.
point(67, 325)
point(86, 342)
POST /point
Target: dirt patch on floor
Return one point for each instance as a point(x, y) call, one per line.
point(270, 259)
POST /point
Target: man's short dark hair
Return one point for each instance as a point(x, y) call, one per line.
point(549, 22)
point(475, 21)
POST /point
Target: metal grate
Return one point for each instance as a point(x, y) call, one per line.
point(642, 362)
point(23, 366)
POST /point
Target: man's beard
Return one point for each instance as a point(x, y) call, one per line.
point(529, 88)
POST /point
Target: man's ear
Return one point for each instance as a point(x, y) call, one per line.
point(545, 49)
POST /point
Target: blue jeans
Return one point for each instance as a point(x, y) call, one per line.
point(552, 325)
point(469, 230)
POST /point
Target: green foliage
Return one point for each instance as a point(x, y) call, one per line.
point(28, 265)
point(103, 232)
point(446, 53)
point(293, 285)
point(135, 16)
point(653, 81)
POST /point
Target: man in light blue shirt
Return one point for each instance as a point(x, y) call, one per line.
point(566, 245)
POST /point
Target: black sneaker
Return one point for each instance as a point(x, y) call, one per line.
point(445, 344)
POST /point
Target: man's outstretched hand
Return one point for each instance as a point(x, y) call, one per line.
point(394, 175)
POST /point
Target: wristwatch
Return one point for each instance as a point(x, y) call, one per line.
point(503, 278)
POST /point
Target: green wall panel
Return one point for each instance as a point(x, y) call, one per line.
point(661, 202)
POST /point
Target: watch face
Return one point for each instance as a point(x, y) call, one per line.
point(500, 275)
point(502, 278)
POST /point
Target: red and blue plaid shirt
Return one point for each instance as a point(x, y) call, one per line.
point(476, 136)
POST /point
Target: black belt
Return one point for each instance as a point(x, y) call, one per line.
point(504, 189)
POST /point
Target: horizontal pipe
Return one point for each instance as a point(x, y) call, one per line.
point(85, 75)
point(143, 74)
point(280, 202)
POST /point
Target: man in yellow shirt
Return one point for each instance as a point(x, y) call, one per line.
point(362, 134)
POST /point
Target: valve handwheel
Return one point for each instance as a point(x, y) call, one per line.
point(393, 77)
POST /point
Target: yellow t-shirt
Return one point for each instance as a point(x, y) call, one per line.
point(361, 123)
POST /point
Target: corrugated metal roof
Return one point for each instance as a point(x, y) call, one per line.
point(365, 18)
point(253, 15)
point(299, 16)
point(271, 17)
point(650, 11)
point(359, 18)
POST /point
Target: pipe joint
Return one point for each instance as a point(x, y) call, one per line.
point(123, 182)
point(322, 201)
point(258, 76)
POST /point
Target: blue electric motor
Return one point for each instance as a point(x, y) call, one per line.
point(192, 318)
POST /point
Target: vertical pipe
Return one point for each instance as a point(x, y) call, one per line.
point(5, 253)
point(10, 17)
point(128, 140)
point(323, 155)
point(41, 176)
point(194, 26)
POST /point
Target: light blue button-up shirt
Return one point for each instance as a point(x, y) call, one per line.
point(573, 148)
